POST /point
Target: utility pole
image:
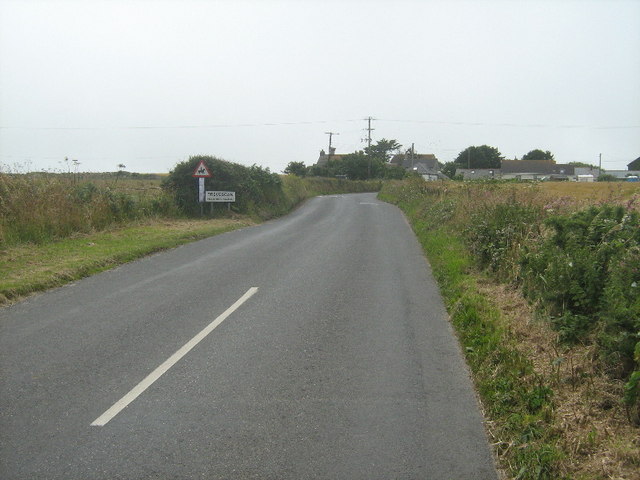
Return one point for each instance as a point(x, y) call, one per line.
point(369, 129)
point(600, 165)
point(412, 155)
point(331, 134)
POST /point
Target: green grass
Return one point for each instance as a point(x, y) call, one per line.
point(31, 268)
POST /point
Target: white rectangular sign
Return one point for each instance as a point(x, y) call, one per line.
point(221, 197)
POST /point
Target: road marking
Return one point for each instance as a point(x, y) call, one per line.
point(117, 407)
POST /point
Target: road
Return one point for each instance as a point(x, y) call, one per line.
point(314, 346)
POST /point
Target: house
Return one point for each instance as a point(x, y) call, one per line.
point(429, 174)
point(409, 161)
point(478, 173)
point(635, 165)
point(592, 171)
point(324, 158)
point(536, 170)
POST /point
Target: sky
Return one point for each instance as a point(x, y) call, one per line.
point(147, 84)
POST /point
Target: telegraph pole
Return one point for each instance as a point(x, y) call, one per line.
point(413, 151)
point(331, 134)
point(369, 129)
point(600, 165)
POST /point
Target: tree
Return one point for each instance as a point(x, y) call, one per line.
point(394, 172)
point(607, 177)
point(479, 157)
point(449, 169)
point(583, 164)
point(356, 166)
point(538, 155)
point(383, 149)
point(296, 168)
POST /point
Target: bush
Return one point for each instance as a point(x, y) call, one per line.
point(257, 189)
point(497, 232)
point(587, 273)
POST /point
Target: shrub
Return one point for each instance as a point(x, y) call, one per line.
point(587, 272)
point(255, 187)
point(496, 233)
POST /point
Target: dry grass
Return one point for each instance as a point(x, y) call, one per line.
point(592, 422)
point(29, 268)
point(611, 192)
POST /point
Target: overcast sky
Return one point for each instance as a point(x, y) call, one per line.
point(148, 83)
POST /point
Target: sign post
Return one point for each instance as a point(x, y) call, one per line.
point(201, 172)
point(221, 197)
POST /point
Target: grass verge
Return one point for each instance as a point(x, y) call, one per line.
point(31, 268)
point(552, 410)
point(516, 401)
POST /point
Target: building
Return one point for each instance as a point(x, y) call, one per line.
point(478, 173)
point(635, 165)
point(536, 170)
point(324, 158)
point(410, 161)
point(429, 174)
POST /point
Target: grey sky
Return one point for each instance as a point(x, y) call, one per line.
point(148, 83)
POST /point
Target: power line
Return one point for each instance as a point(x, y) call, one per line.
point(515, 125)
point(179, 127)
point(317, 122)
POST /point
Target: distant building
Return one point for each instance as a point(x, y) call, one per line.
point(635, 165)
point(324, 158)
point(478, 173)
point(410, 161)
point(536, 170)
point(593, 171)
point(429, 174)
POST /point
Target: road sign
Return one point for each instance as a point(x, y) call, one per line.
point(202, 171)
point(221, 197)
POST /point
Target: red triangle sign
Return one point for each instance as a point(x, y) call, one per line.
point(201, 171)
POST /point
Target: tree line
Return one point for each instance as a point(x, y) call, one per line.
point(370, 163)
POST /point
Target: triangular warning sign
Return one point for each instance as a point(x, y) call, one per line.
point(202, 170)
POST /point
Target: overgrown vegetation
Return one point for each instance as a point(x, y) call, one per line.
point(38, 208)
point(367, 164)
point(56, 228)
point(43, 207)
point(578, 266)
point(259, 193)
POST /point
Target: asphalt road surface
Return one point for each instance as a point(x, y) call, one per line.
point(314, 346)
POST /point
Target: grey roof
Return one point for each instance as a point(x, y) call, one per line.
point(405, 160)
point(635, 165)
point(544, 167)
point(324, 158)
